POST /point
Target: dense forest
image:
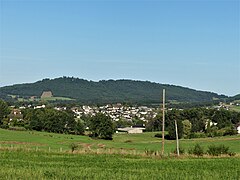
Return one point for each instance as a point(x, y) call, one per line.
point(110, 91)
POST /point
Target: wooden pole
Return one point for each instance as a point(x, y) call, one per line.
point(163, 121)
point(177, 137)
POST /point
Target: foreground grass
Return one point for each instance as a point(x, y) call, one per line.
point(130, 142)
point(40, 165)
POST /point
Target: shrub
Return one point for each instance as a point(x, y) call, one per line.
point(158, 135)
point(128, 141)
point(218, 150)
point(231, 153)
point(4, 126)
point(73, 146)
point(197, 150)
point(197, 135)
point(181, 151)
point(16, 128)
point(168, 137)
point(151, 152)
point(230, 132)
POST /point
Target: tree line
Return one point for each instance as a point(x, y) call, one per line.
point(192, 123)
point(64, 121)
point(197, 122)
point(110, 91)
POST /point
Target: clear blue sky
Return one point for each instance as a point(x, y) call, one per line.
point(189, 43)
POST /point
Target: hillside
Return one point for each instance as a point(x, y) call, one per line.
point(234, 98)
point(110, 91)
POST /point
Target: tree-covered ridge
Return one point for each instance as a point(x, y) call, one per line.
point(234, 98)
point(110, 91)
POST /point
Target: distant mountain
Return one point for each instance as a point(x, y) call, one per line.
point(109, 91)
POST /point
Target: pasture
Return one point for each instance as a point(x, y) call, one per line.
point(41, 155)
point(56, 99)
point(132, 143)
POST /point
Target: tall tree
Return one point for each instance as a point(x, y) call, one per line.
point(4, 110)
point(101, 126)
point(187, 127)
point(171, 116)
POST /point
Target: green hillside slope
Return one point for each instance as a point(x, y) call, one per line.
point(110, 91)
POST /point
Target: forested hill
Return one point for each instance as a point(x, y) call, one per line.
point(110, 91)
point(234, 98)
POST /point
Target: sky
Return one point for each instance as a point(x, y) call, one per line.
point(190, 43)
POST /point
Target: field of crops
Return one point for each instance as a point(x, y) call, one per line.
point(41, 165)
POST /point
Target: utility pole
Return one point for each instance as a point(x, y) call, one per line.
point(177, 137)
point(163, 121)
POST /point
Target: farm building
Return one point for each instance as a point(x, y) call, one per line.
point(131, 130)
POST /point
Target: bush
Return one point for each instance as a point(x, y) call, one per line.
point(128, 141)
point(4, 126)
point(158, 135)
point(197, 150)
point(231, 153)
point(229, 132)
point(168, 137)
point(181, 151)
point(16, 128)
point(73, 146)
point(197, 135)
point(151, 152)
point(217, 150)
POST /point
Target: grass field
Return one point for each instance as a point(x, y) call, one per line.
point(56, 99)
point(43, 99)
point(136, 143)
point(41, 155)
point(40, 165)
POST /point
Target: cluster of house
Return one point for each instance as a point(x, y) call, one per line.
point(117, 112)
point(226, 106)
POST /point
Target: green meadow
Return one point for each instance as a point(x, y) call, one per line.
point(135, 143)
point(41, 155)
point(56, 99)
